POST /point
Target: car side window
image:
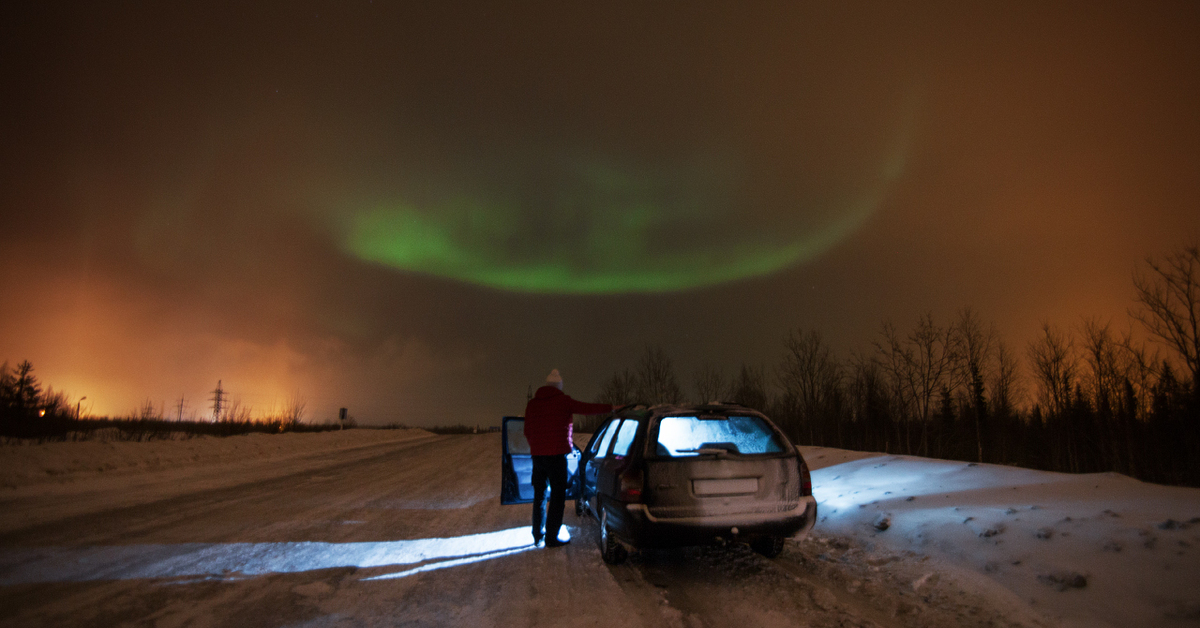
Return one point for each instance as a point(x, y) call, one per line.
point(624, 439)
point(599, 437)
point(606, 439)
point(517, 443)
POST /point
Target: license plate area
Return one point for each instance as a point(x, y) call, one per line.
point(725, 486)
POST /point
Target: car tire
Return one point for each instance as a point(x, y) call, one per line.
point(769, 546)
point(611, 551)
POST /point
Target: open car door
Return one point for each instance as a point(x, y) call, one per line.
point(516, 465)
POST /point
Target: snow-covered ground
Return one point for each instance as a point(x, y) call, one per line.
point(29, 463)
point(57, 480)
point(1090, 550)
point(376, 527)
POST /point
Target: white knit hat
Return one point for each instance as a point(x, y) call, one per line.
point(554, 379)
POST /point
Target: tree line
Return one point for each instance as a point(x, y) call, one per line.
point(28, 411)
point(1089, 398)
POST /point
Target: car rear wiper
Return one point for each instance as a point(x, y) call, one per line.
point(716, 451)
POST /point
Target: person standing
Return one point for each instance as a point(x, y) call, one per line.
point(548, 428)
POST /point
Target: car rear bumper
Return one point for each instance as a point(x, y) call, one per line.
point(639, 527)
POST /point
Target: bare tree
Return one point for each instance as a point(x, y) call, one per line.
point(1055, 368)
point(1120, 370)
point(54, 402)
point(656, 381)
point(1006, 382)
point(1106, 382)
point(921, 366)
point(1007, 398)
point(1142, 372)
point(709, 383)
point(870, 402)
point(146, 412)
point(293, 411)
point(749, 388)
point(655, 377)
point(977, 346)
point(1169, 298)
point(1103, 356)
point(1120, 383)
point(619, 389)
point(895, 359)
point(235, 412)
point(811, 380)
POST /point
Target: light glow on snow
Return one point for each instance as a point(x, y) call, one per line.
point(1126, 547)
point(237, 560)
point(873, 481)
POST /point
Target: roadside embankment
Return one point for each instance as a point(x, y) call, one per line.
point(23, 465)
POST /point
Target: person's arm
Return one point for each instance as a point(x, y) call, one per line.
point(581, 407)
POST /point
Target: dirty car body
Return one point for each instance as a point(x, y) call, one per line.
point(670, 476)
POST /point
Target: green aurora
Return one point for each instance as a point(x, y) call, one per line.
point(604, 231)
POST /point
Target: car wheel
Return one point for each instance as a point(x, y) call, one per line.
point(769, 546)
point(611, 551)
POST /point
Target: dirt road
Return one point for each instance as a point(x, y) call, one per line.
point(413, 534)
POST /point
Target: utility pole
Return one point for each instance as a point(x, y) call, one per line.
point(218, 401)
point(180, 405)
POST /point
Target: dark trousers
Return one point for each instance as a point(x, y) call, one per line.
point(552, 470)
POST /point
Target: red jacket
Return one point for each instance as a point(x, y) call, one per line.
point(548, 420)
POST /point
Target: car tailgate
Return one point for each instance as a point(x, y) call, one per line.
point(708, 486)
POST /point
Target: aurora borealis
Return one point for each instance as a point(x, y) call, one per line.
point(608, 233)
point(416, 210)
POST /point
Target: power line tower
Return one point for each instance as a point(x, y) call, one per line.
point(218, 401)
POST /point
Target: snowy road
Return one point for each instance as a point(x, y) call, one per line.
point(411, 533)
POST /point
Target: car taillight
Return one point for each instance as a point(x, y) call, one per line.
point(805, 479)
point(630, 489)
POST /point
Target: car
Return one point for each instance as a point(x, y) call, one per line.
point(516, 465)
point(681, 475)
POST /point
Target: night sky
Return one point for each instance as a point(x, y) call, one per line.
point(415, 210)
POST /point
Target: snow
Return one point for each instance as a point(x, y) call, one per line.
point(374, 527)
point(1088, 550)
point(62, 479)
point(26, 463)
point(250, 559)
point(399, 528)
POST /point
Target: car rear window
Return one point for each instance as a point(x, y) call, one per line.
point(681, 436)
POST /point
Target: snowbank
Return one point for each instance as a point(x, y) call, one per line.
point(53, 481)
point(23, 465)
point(1089, 550)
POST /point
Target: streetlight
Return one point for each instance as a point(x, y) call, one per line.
point(77, 406)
